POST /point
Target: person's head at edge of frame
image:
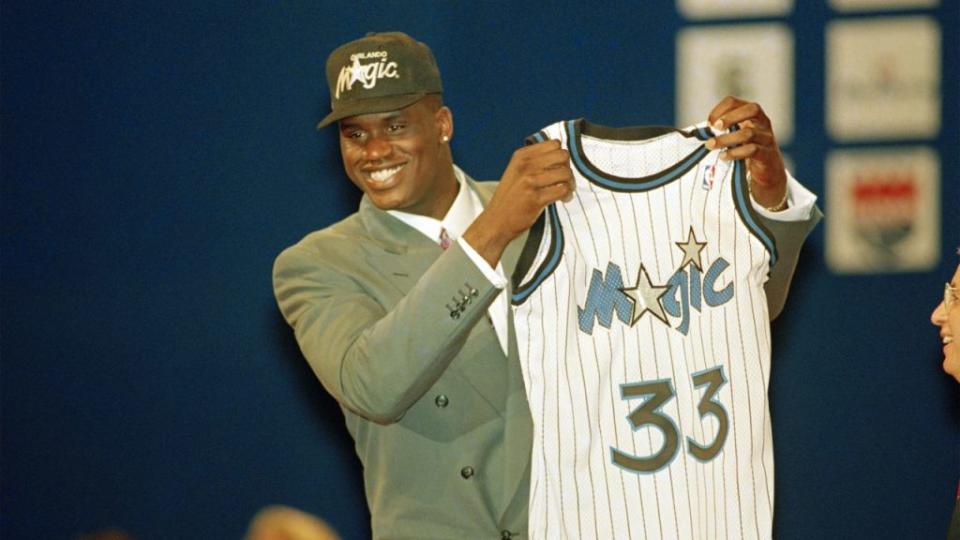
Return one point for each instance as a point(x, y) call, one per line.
point(387, 100)
point(947, 316)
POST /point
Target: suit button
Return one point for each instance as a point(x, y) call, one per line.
point(441, 401)
point(466, 472)
point(506, 535)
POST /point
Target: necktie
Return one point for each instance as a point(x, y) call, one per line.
point(445, 240)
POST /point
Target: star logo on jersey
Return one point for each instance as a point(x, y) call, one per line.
point(646, 297)
point(691, 250)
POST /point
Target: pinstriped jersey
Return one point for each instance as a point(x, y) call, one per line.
point(643, 332)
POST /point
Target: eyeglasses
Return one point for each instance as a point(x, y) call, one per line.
point(949, 296)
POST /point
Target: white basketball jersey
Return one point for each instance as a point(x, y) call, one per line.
point(644, 341)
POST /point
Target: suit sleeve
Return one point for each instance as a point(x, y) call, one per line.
point(789, 236)
point(374, 361)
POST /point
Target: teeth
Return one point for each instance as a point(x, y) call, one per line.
point(384, 174)
point(947, 339)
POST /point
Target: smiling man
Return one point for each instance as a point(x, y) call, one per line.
point(947, 316)
point(401, 310)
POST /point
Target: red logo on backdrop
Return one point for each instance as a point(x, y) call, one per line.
point(885, 209)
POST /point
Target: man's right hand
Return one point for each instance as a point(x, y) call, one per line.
point(536, 176)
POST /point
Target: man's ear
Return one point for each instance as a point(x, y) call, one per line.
point(444, 118)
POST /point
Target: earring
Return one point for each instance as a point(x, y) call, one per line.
point(445, 138)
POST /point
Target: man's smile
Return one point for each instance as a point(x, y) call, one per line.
point(382, 178)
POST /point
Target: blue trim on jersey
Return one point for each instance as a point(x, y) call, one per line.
point(551, 262)
point(626, 184)
point(538, 137)
point(741, 199)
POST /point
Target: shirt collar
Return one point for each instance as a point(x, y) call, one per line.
point(465, 208)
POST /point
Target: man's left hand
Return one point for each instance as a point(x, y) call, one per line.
point(755, 142)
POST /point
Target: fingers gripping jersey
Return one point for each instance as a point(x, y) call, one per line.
point(644, 341)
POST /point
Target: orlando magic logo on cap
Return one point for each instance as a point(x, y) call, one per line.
point(378, 73)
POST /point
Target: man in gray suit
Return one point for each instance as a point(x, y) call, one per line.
point(400, 308)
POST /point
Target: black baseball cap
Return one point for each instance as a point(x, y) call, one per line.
point(378, 73)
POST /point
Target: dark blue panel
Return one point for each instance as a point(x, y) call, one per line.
point(156, 158)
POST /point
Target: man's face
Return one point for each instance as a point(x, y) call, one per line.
point(949, 322)
point(399, 158)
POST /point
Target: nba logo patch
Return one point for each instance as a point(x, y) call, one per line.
point(712, 171)
point(707, 172)
point(883, 210)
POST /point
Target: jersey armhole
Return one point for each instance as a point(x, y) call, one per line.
point(548, 223)
point(531, 248)
point(748, 215)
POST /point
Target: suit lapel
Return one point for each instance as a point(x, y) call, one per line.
point(402, 253)
point(413, 253)
point(405, 254)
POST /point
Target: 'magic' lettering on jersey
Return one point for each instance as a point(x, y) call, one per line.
point(604, 296)
point(684, 290)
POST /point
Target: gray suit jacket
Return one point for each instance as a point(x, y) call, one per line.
point(438, 414)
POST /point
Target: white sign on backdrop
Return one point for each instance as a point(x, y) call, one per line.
point(730, 9)
point(877, 5)
point(883, 78)
point(883, 210)
point(754, 62)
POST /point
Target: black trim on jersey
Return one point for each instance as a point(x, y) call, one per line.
point(576, 128)
point(549, 264)
point(638, 133)
point(748, 214)
point(701, 132)
point(529, 251)
point(628, 133)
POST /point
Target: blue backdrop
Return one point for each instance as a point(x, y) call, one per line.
point(157, 156)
